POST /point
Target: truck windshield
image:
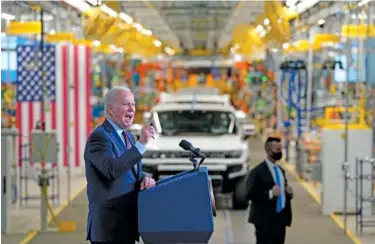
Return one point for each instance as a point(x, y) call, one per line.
point(202, 122)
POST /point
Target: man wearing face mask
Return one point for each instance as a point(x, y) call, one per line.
point(270, 197)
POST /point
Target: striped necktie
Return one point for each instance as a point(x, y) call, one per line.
point(127, 141)
point(128, 146)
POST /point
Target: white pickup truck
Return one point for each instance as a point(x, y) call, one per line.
point(248, 128)
point(210, 126)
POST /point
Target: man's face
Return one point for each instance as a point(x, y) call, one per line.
point(274, 147)
point(123, 109)
point(274, 150)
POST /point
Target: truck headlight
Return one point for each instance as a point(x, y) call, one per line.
point(236, 154)
point(216, 155)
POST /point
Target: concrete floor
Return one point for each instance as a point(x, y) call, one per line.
point(309, 226)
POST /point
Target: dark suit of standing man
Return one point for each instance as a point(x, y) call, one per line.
point(114, 172)
point(270, 197)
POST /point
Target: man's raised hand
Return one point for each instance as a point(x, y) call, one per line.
point(147, 132)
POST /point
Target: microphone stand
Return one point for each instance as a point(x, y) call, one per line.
point(196, 165)
point(193, 159)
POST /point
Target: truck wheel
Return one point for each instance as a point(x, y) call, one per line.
point(239, 200)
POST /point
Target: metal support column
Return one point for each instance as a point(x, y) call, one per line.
point(370, 99)
point(345, 163)
point(310, 69)
point(43, 177)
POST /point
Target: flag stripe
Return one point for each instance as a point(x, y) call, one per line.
point(31, 121)
point(18, 124)
point(81, 88)
point(24, 128)
point(64, 107)
point(59, 55)
point(47, 116)
point(30, 107)
point(70, 104)
point(35, 113)
point(76, 108)
point(88, 91)
point(53, 116)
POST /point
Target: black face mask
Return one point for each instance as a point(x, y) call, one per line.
point(276, 155)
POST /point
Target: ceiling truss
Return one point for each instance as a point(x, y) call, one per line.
point(179, 24)
point(193, 24)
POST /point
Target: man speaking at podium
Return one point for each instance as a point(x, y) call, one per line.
point(114, 172)
point(270, 197)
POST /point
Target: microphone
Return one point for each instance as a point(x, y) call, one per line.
point(188, 147)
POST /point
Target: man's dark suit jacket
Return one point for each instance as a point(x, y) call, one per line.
point(111, 186)
point(263, 209)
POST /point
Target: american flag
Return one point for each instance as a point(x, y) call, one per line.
point(68, 87)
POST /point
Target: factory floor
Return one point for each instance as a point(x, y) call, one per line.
point(309, 226)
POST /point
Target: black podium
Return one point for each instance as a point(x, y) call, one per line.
point(179, 209)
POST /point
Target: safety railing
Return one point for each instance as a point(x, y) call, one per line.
point(362, 198)
point(357, 184)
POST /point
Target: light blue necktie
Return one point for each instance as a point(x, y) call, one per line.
point(279, 204)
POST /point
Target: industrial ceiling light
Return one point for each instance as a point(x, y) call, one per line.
point(259, 28)
point(113, 47)
point(321, 22)
point(8, 16)
point(108, 10)
point(363, 2)
point(78, 4)
point(237, 58)
point(138, 26)
point(157, 43)
point(126, 18)
point(96, 43)
point(169, 51)
point(291, 2)
point(303, 5)
point(266, 21)
point(146, 32)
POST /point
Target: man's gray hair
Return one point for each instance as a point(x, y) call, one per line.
point(110, 97)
